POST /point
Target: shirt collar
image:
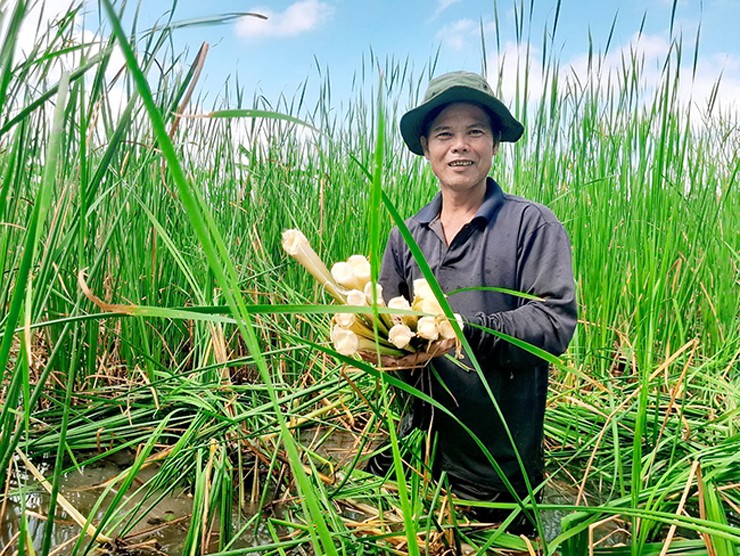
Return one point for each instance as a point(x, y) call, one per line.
point(491, 201)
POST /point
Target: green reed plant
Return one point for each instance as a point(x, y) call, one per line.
point(648, 389)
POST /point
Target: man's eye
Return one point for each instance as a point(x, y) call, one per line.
point(476, 132)
point(444, 134)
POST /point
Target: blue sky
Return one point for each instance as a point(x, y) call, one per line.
point(277, 55)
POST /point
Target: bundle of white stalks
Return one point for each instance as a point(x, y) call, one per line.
point(349, 282)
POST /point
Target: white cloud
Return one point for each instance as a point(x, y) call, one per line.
point(647, 53)
point(39, 28)
point(442, 5)
point(506, 71)
point(40, 16)
point(707, 101)
point(458, 35)
point(297, 18)
point(651, 51)
point(722, 70)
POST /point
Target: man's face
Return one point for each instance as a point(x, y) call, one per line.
point(460, 145)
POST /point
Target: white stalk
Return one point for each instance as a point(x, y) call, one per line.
point(298, 247)
point(368, 291)
point(422, 290)
point(345, 320)
point(348, 343)
point(344, 275)
point(444, 326)
point(426, 328)
point(428, 306)
point(360, 268)
point(385, 319)
point(403, 304)
point(344, 340)
point(400, 335)
point(356, 298)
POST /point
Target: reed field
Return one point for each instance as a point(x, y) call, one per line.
point(149, 315)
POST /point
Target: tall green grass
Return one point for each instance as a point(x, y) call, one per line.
point(214, 362)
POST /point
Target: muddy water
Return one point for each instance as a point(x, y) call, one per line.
point(165, 525)
point(81, 490)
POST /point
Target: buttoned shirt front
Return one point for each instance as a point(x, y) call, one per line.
point(514, 244)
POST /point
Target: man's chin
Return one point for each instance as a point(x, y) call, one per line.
point(461, 185)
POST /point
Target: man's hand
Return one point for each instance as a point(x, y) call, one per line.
point(412, 360)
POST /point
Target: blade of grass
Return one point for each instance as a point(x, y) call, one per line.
point(226, 276)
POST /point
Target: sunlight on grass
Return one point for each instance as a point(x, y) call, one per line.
point(148, 312)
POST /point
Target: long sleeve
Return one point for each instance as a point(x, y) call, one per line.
point(544, 269)
point(392, 274)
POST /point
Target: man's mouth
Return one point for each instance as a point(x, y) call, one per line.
point(456, 163)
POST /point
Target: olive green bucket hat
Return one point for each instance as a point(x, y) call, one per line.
point(458, 86)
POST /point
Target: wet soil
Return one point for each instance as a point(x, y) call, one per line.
point(164, 526)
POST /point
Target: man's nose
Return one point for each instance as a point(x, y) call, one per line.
point(459, 143)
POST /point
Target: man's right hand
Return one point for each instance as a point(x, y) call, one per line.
point(412, 360)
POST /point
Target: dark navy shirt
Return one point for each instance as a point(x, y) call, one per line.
point(510, 243)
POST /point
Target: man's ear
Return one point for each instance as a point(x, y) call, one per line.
point(495, 147)
point(424, 146)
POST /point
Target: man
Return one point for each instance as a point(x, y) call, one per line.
point(473, 234)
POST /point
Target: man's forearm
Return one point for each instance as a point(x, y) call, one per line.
point(536, 323)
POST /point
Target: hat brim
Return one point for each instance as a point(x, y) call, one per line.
point(412, 122)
